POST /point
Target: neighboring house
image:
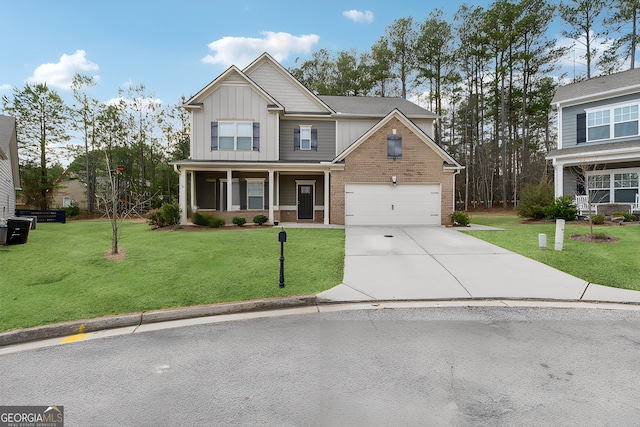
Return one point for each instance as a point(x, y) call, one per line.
point(9, 169)
point(599, 140)
point(262, 143)
point(70, 190)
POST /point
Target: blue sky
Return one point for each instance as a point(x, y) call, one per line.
point(176, 48)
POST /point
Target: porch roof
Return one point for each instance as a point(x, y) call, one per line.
point(606, 152)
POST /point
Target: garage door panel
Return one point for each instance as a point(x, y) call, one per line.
point(380, 204)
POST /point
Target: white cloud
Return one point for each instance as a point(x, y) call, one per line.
point(60, 74)
point(5, 87)
point(365, 17)
point(240, 51)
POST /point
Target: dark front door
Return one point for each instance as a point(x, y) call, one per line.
point(305, 202)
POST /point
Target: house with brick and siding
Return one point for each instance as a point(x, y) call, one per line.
point(598, 154)
point(262, 143)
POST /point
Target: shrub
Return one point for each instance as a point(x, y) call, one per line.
point(239, 221)
point(215, 222)
point(627, 216)
point(201, 219)
point(597, 219)
point(171, 213)
point(73, 209)
point(260, 219)
point(562, 208)
point(155, 218)
point(533, 200)
point(460, 218)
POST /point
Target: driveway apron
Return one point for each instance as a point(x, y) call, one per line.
point(433, 263)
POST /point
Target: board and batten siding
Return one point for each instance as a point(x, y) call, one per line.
point(326, 141)
point(234, 103)
point(288, 93)
point(7, 191)
point(570, 114)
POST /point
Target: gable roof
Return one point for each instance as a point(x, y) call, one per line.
point(370, 106)
point(449, 161)
point(284, 86)
point(232, 74)
point(599, 87)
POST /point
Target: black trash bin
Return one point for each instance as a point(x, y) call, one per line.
point(18, 230)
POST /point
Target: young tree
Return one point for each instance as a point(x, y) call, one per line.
point(42, 118)
point(582, 17)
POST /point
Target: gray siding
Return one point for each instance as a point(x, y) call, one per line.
point(569, 114)
point(288, 188)
point(350, 130)
point(326, 141)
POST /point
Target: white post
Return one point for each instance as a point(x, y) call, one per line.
point(229, 189)
point(559, 234)
point(182, 195)
point(271, 193)
point(326, 197)
point(542, 241)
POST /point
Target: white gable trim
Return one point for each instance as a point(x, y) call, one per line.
point(451, 163)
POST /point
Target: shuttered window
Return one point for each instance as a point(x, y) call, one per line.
point(305, 138)
point(240, 136)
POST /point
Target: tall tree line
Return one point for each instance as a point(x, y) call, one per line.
point(133, 136)
point(490, 74)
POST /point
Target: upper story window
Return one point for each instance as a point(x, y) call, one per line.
point(305, 137)
point(238, 136)
point(612, 122)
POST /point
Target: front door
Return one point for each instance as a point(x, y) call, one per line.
point(305, 201)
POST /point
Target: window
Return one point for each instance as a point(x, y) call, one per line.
point(599, 187)
point(394, 146)
point(625, 187)
point(625, 121)
point(255, 193)
point(240, 136)
point(305, 137)
point(612, 122)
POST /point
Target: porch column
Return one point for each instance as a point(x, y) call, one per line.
point(326, 197)
point(558, 178)
point(193, 191)
point(182, 184)
point(229, 189)
point(271, 193)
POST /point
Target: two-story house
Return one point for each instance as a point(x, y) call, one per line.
point(598, 153)
point(262, 143)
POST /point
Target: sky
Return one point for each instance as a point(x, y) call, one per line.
point(176, 48)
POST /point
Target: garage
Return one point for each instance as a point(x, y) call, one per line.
point(386, 204)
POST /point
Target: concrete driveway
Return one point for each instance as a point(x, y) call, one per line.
point(439, 263)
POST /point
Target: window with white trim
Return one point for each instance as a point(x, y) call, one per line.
point(255, 193)
point(612, 122)
point(235, 135)
point(305, 137)
point(616, 186)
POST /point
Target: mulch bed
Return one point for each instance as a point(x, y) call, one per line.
point(596, 238)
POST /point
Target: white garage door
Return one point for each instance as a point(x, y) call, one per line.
point(385, 204)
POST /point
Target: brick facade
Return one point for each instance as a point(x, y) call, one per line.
point(369, 163)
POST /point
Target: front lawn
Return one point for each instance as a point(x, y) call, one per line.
point(612, 264)
point(62, 274)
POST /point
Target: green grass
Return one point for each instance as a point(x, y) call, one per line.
point(612, 264)
point(62, 274)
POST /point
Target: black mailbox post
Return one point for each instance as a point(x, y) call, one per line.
point(282, 237)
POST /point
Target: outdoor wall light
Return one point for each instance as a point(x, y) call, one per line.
point(393, 180)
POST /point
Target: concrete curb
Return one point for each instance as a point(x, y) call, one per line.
point(136, 319)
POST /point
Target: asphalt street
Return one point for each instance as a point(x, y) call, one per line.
point(468, 366)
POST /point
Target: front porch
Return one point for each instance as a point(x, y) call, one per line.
point(289, 193)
